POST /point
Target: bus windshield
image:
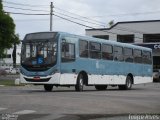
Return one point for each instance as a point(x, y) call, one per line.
point(38, 55)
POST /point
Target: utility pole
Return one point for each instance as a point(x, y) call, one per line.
point(51, 14)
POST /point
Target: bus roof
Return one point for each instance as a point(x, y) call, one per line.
point(88, 38)
point(112, 42)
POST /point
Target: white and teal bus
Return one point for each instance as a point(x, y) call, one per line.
point(62, 59)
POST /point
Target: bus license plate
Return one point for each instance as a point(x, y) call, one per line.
point(36, 78)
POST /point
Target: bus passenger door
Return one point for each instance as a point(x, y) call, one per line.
point(68, 68)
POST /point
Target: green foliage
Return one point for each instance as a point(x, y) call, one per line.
point(0, 5)
point(7, 31)
point(7, 82)
point(111, 23)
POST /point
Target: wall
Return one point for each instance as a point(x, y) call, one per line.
point(138, 29)
point(7, 62)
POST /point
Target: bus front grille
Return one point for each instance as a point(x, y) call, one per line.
point(37, 80)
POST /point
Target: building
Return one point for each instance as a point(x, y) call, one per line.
point(144, 33)
point(7, 61)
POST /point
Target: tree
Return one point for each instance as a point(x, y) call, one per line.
point(111, 23)
point(7, 31)
point(0, 5)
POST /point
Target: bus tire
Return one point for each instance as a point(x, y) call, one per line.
point(80, 83)
point(48, 87)
point(128, 84)
point(101, 87)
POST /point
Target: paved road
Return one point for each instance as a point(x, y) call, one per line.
point(33, 103)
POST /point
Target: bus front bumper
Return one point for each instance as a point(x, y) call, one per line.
point(51, 79)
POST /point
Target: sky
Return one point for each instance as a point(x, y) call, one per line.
point(74, 16)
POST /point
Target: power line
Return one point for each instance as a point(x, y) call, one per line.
point(80, 19)
point(90, 26)
point(29, 5)
point(24, 13)
point(80, 16)
point(56, 12)
point(29, 20)
point(97, 22)
point(49, 14)
point(69, 21)
point(25, 9)
point(74, 21)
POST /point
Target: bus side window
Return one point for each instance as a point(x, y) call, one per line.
point(83, 48)
point(128, 55)
point(95, 50)
point(146, 57)
point(137, 56)
point(118, 53)
point(107, 52)
point(68, 52)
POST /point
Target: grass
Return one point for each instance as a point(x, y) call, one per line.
point(7, 82)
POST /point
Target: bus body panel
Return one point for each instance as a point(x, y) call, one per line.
point(106, 79)
point(140, 79)
point(68, 79)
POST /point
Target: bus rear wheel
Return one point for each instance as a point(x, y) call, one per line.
point(48, 87)
point(101, 87)
point(128, 84)
point(80, 83)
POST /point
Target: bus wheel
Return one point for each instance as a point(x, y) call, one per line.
point(48, 87)
point(128, 84)
point(101, 87)
point(80, 83)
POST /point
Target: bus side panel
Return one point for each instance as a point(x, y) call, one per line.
point(144, 77)
point(107, 73)
point(140, 79)
point(68, 79)
point(68, 73)
point(102, 71)
point(106, 79)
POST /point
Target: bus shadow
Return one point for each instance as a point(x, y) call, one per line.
point(85, 90)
